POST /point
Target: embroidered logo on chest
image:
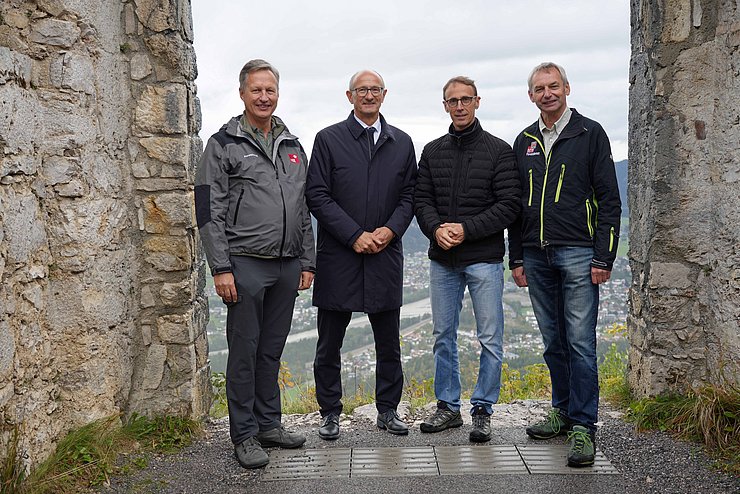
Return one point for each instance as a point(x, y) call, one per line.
point(531, 149)
point(294, 158)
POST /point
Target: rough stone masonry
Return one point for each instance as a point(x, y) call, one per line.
point(684, 178)
point(101, 302)
point(101, 296)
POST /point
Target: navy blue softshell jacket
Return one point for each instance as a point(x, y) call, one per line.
point(570, 196)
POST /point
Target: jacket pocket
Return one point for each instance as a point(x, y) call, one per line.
point(465, 173)
point(238, 204)
point(529, 203)
point(560, 182)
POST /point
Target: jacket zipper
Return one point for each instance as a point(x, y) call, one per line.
point(455, 185)
point(530, 188)
point(238, 203)
point(588, 219)
point(560, 182)
point(282, 198)
point(544, 187)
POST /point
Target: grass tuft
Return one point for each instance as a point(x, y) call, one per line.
point(710, 415)
point(88, 456)
point(11, 469)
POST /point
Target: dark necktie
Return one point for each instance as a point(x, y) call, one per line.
point(370, 131)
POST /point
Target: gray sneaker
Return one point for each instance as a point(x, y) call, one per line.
point(250, 454)
point(441, 420)
point(481, 432)
point(280, 438)
point(553, 425)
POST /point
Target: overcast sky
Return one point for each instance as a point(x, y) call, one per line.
point(416, 46)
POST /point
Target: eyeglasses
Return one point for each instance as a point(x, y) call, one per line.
point(362, 91)
point(465, 100)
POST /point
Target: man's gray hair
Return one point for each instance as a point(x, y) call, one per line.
point(547, 66)
point(254, 66)
point(461, 79)
point(359, 72)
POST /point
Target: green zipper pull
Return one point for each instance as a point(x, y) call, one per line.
point(611, 239)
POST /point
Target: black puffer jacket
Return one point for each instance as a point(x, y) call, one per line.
point(469, 178)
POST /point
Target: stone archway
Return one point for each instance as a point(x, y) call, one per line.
point(684, 167)
point(101, 302)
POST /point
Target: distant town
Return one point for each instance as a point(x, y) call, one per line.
point(522, 341)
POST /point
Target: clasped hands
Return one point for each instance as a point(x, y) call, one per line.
point(449, 235)
point(373, 242)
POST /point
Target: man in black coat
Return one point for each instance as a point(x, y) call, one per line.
point(360, 188)
point(467, 194)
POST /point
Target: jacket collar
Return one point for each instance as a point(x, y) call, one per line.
point(574, 127)
point(232, 128)
point(468, 135)
point(357, 130)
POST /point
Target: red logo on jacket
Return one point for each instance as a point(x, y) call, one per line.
point(531, 148)
point(294, 158)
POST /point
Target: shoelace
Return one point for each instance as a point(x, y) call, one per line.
point(554, 419)
point(581, 440)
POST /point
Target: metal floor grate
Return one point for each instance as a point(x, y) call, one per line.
point(426, 461)
point(551, 459)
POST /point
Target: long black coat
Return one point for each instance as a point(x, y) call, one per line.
point(349, 193)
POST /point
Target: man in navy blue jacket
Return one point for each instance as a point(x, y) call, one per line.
point(563, 247)
point(360, 188)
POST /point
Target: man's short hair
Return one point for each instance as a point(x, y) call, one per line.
point(461, 79)
point(254, 66)
point(357, 74)
point(547, 66)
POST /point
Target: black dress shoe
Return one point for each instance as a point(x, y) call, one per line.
point(329, 427)
point(389, 421)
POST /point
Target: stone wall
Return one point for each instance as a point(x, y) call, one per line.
point(684, 169)
point(101, 301)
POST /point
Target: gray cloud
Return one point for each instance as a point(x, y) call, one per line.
point(417, 46)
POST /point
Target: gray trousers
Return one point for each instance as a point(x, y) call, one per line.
point(257, 326)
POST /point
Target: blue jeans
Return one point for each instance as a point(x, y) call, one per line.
point(485, 282)
point(566, 303)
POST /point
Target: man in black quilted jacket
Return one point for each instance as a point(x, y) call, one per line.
point(467, 193)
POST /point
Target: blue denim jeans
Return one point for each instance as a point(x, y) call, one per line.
point(566, 304)
point(485, 282)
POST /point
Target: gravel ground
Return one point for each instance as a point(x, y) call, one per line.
point(647, 462)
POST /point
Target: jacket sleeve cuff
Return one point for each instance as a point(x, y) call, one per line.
point(515, 263)
point(354, 237)
point(595, 263)
point(221, 269)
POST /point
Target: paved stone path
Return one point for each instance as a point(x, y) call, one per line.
point(645, 462)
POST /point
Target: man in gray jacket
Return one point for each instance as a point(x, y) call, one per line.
point(256, 231)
